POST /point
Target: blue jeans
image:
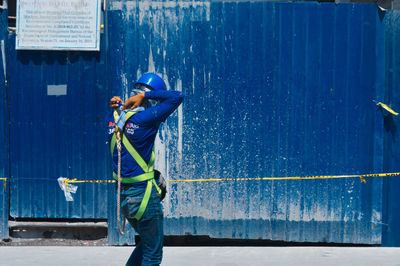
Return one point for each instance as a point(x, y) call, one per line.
point(149, 227)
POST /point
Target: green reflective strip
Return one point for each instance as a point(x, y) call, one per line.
point(139, 178)
point(151, 162)
point(145, 201)
point(157, 187)
point(113, 143)
point(114, 137)
point(147, 168)
point(136, 156)
point(129, 114)
point(135, 179)
point(116, 116)
point(132, 151)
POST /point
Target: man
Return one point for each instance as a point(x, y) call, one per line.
point(150, 105)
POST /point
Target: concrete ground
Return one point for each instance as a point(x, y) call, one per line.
point(203, 256)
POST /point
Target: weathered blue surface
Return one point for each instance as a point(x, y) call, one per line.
point(53, 136)
point(391, 156)
point(4, 129)
point(272, 89)
point(4, 196)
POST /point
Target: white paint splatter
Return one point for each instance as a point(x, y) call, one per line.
point(152, 67)
point(138, 73)
point(124, 86)
point(3, 56)
point(180, 122)
point(165, 78)
point(376, 216)
point(193, 78)
point(158, 10)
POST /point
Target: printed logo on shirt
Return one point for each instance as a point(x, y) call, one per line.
point(111, 128)
point(130, 128)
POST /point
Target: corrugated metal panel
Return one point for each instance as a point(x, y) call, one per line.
point(4, 134)
point(53, 136)
point(272, 89)
point(3, 211)
point(4, 196)
point(391, 157)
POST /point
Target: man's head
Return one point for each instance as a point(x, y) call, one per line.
point(149, 82)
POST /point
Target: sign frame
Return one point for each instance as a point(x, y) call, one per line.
point(70, 31)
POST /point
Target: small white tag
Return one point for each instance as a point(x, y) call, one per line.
point(56, 90)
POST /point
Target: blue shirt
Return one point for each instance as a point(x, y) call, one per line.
point(141, 129)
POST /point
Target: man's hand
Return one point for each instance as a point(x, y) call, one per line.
point(134, 101)
point(114, 102)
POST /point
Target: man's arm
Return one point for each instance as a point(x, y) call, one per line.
point(169, 101)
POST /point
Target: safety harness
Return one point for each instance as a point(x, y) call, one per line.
point(148, 169)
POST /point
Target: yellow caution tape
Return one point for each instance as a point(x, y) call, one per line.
point(362, 178)
point(75, 180)
point(387, 108)
point(5, 181)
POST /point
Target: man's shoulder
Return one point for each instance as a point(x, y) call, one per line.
point(140, 119)
point(135, 116)
point(130, 114)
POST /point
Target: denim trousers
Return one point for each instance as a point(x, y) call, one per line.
point(149, 227)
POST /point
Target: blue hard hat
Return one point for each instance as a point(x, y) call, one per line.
point(153, 81)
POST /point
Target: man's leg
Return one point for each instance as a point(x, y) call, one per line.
point(136, 257)
point(151, 231)
point(149, 227)
point(130, 201)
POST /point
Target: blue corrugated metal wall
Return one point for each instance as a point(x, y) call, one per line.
point(272, 89)
point(53, 136)
point(4, 129)
point(391, 156)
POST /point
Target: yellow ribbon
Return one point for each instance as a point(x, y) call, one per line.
point(5, 181)
point(362, 178)
point(75, 180)
point(387, 108)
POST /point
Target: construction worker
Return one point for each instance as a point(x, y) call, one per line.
point(150, 105)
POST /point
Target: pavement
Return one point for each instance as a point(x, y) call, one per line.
point(202, 256)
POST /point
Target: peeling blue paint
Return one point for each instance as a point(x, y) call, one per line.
point(391, 155)
point(58, 136)
point(272, 89)
point(4, 129)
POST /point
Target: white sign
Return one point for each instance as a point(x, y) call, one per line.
point(57, 90)
point(58, 25)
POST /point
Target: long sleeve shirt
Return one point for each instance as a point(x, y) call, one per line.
point(141, 130)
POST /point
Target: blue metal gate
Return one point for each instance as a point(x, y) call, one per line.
point(60, 135)
point(391, 151)
point(272, 89)
point(4, 130)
